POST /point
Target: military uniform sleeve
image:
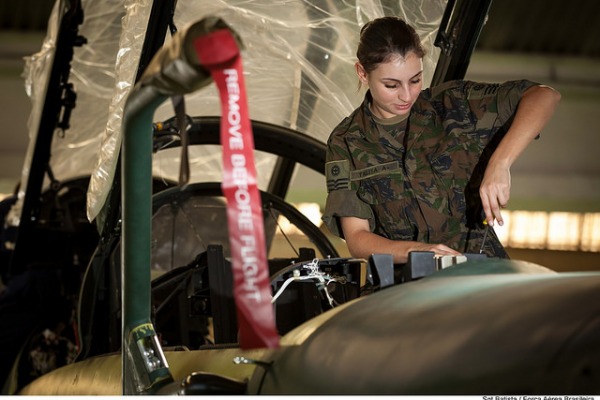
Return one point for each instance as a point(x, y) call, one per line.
point(495, 104)
point(342, 200)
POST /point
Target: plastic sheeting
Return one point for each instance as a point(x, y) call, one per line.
point(298, 59)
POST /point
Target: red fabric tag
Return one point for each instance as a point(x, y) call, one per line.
point(218, 52)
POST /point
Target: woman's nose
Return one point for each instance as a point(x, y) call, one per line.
point(404, 94)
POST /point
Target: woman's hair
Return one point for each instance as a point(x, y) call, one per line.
point(384, 37)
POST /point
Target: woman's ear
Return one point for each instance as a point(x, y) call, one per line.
point(362, 74)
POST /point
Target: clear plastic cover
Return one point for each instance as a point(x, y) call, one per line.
point(298, 60)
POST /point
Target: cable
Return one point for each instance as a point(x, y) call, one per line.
point(314, 273)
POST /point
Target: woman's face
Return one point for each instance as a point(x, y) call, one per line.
point(394, 85)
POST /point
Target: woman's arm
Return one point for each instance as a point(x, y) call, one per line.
point(535, 109)
point(362, 242)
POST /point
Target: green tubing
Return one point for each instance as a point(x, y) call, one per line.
point(137, 206)
point(136, 201)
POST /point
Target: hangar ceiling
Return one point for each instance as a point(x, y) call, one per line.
point(552, 27)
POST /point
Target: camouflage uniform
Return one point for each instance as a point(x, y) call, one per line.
point(419, 179)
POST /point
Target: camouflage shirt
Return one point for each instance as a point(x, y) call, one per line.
point(418, 179)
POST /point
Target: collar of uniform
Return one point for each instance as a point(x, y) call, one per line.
point(373, 127)
point(395, 120)
point(387, 131)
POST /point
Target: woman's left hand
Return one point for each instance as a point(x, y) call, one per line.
point(495, 192)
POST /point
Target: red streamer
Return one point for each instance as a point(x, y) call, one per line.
point(219, 53)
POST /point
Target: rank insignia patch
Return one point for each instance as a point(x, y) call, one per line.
point(338, 175)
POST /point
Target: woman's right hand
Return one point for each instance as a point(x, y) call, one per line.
point(438, 249)
point(362, 242)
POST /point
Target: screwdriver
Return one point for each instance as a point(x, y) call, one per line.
point(485, 233)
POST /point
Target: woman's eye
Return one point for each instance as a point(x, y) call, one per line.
point(415, 81)
point(391, 86)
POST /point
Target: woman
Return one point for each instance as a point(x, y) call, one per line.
point(425, 170)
